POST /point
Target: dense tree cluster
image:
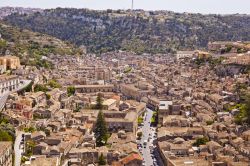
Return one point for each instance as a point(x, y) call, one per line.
point(7, 131)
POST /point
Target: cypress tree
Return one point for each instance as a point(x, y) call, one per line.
point(101, 131)
point(102, 161)
point(99, 102)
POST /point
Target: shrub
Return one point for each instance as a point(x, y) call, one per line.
point(200, 141)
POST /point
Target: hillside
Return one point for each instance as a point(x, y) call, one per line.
point(140, 31)
point(32, 46)
point(5, 11)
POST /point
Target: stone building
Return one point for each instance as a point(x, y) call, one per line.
point(184, 54)
point(8, 83)
point(163, 110)
point(9, 62)
point(6, 153)
point(94, 88)
point(102, 74)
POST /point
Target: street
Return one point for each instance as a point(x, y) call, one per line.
point(18, 151)
point(146, 146)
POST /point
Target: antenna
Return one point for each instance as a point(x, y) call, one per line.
point(132, 6)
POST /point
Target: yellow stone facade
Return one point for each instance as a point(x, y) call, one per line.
point(10, 62)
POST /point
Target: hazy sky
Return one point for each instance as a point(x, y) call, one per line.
point(195, 6)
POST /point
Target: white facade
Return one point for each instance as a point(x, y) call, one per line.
point(8, 83)
point(184, 54)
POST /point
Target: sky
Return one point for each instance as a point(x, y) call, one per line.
point(193, 6)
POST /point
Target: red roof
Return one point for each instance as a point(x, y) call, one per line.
point(130, 158)
point(127, 159)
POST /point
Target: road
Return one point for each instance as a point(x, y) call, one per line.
point(150, 157)
point(17, 149)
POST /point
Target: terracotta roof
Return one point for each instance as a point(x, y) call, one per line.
point(130, 158)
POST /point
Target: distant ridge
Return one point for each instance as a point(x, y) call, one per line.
point(140, 31)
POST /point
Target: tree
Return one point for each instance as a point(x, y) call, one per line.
point(99, 102)
point(139, 135)
point(246, 101)
point(101, 131)
point(102, 160)
point(40, 87)
point(140, 120)
point(5, 136)
point(200, 141)
point(29, 129)
point(54, 84)
point(29, 147)
point(244, 109)
point(7, 131)
point(71, 90)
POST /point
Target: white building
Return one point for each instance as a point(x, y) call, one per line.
point(184, 54)
point(8, 83)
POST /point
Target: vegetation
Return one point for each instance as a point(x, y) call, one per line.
point(240, 89)
point(241, 50)
point(140, 120)
point(200, 141)
point(24, 159)
point(40, 87)
point(54, 84)
point(99, 101)
point(244, 110)
point(103, 31)
point(29, 129)
point(228, 48)
point(33, 48)
point(154, 119)
point(77, 109)
point(5, 136)
point(48, 96)
point(211, 61)
point(127, 70)
point(139, 135)
point(101, 160)
point(36, 116)
point(209, 122)
point(71, 90)
point(3, 120)
point(29, 147)
point(3, 45)
point(100, 130)
point(7, 131)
